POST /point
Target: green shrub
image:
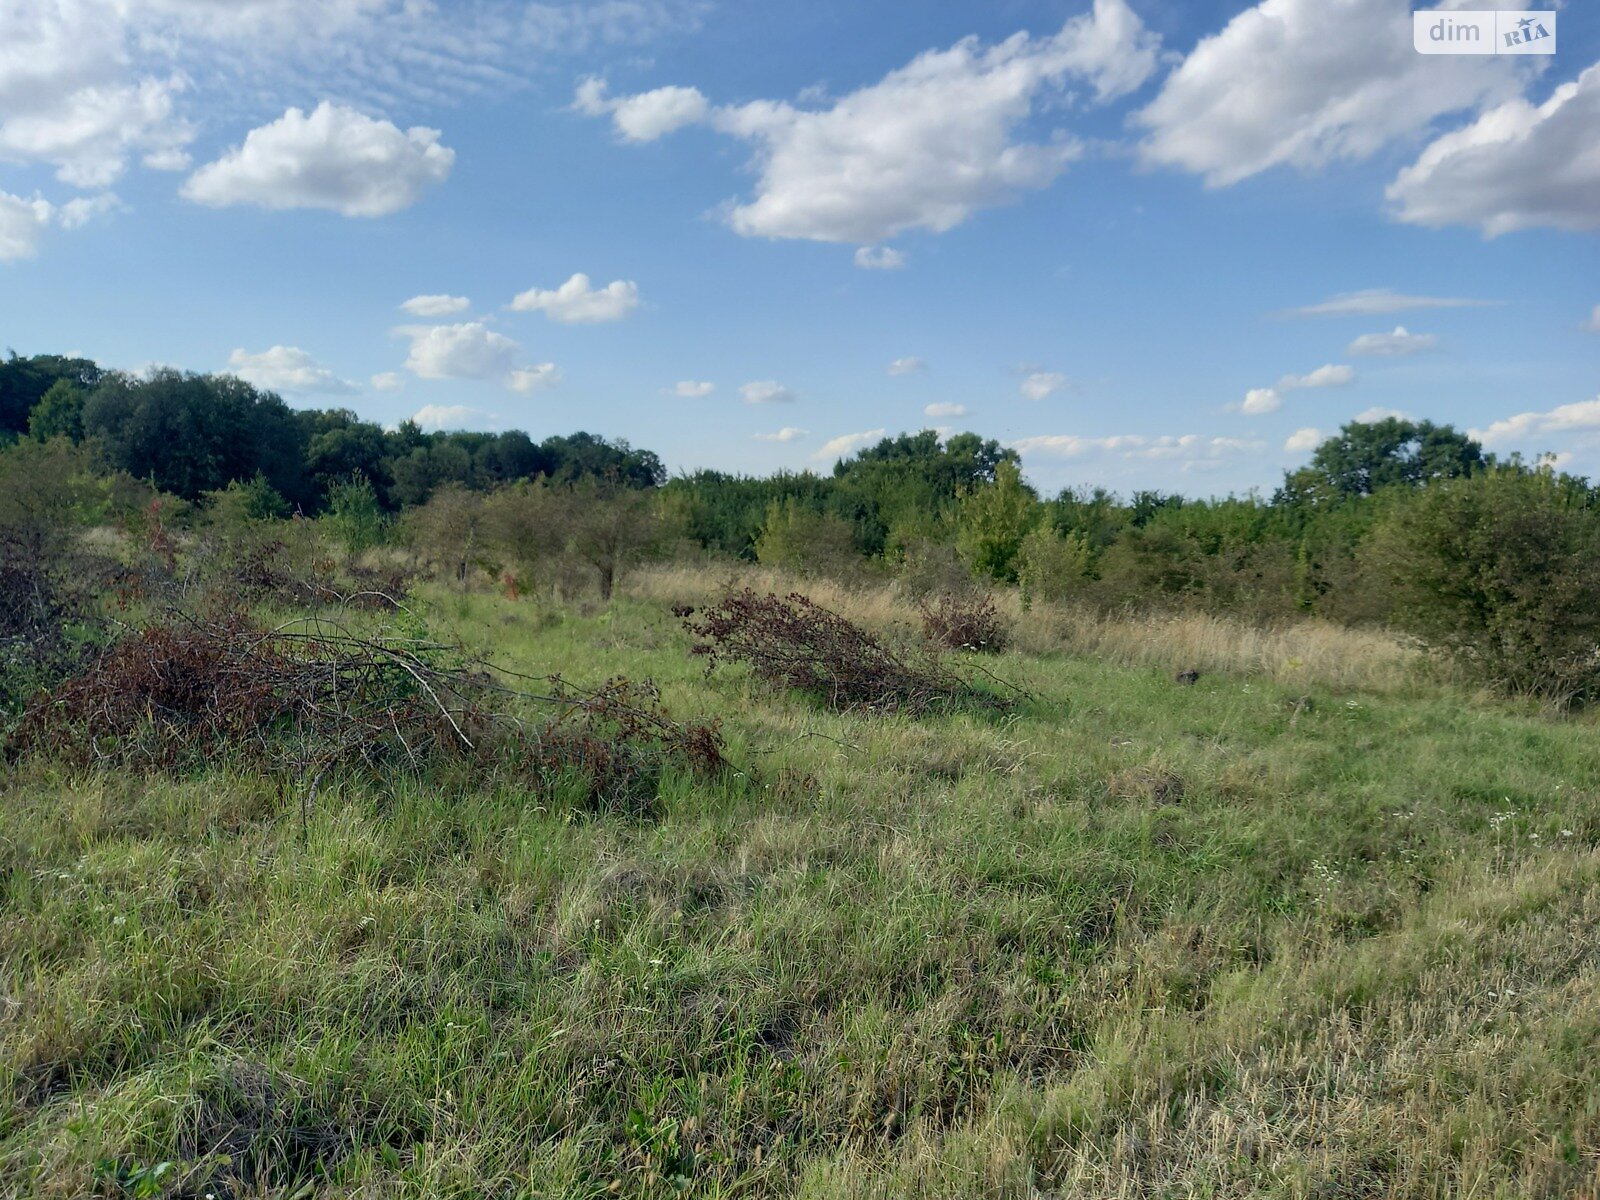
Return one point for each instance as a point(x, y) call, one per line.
point(1052, 566)
point(993, 520)
point(798, 538)
point(1501, 571)
point(354, 516)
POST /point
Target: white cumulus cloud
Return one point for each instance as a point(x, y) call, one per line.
point(1258, 401)
point(910, 365)
point(436, 306)
point(1306, 83)
point(534, 379)
point(1189, 451)
point(1262, 400)
point(1582, 416)
point(578, 302)
point(80, 210)
point(287, 369)
point(845, 443)
point(1302, 440)
point(1516, 167)
point(945, 410)
point(1327, 375)
point(766, 391)
point(1369, 416)
point(451, 416)
point(1395, 344)
point(333, 157)
point(1593, 323)
point(1040, 384)
point(646, 116)
point(89, 86)
point(787, 434)
point(22, 225)
point(388, 381)
point(470, 350)
point(71, 98)
point(927, 145)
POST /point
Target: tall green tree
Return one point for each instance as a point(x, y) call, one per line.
point(1367, 456)
point(59, 413)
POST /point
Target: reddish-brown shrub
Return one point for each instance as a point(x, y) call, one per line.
point(318, 698)
point(792, 642)
point(964, 623)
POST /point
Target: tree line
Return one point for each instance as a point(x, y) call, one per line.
point(1392, 522)
point(189, 434)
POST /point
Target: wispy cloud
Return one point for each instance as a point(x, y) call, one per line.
point(1380, 301)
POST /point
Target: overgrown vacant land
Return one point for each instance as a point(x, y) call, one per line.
point(1323, 924)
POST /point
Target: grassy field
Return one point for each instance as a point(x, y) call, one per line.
point(1322, 925)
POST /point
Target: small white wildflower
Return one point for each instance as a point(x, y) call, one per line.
point(1566, 833)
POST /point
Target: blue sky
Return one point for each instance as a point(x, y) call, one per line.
point(1090, 230)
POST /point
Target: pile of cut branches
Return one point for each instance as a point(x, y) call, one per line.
point(792, 642)
point(312, 696)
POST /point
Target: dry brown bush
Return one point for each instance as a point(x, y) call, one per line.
point(312, 697)
point(792, 642)
point(956, 622)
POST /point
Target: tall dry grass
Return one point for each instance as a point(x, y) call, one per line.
point(1308, 652)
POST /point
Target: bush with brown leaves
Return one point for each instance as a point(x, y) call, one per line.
point(313, 698)
point(792, 642)
point(964, 623)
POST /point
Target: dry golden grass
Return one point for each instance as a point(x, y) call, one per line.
point(1309, 652)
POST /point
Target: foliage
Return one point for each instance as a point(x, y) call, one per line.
point(24, 382)
point(607, 526)
point(964, 622)
point(1368, 456)
point(48, 580)
point(792, 642)
point(313, 696)
point(800, 539)
point(1053, 566)
point(994, 519)
point(354, 515)
point(59, 413)
point(448, 530)
point(1501, 571)
point(244, 502)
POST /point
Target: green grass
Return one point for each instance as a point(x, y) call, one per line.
point(1133, 939)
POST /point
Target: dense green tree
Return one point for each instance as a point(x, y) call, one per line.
point(24, 382)
point(1367, 456)
point(59, 413)
point(191, 434)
